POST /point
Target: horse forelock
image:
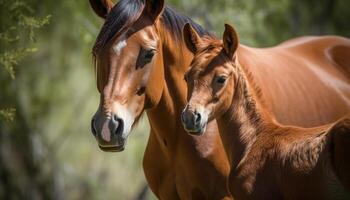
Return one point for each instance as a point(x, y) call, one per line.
point(126, 12)
point(120, 18)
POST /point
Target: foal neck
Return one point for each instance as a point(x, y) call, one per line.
point(247, 120)
point(246, 117)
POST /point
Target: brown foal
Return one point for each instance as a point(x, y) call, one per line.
point(268, 160)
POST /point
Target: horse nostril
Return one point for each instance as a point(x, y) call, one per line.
point(93, 128)
point(115, 118)
point(117, 125)
point(120, 127)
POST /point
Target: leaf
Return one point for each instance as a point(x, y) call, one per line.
point(7, 114)
point(18, 32)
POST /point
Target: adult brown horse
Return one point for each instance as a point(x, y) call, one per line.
point(140, 61)
point(268, 160)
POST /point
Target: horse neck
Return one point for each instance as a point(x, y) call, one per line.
point(243, 121)
point(165, 116)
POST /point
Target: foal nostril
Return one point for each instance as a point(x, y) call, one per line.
point(183, 118)
point(197, 118)
point(191, 118)
point(93, 128)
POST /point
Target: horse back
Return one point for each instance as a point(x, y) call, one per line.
point(304, 81)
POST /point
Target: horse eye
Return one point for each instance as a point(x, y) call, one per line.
point(145, 57)
point(221, 79)
point(149, 55)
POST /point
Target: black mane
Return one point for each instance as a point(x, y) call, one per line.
point(126, 12)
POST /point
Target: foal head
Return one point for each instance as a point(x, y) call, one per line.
point(211, 78)
point(128, 65)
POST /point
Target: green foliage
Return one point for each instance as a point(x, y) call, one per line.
point(7, 114)
point(11, 58)
point(21, 175)
point(266, 23)
point(17, 30)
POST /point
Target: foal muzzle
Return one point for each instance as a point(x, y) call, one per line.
point(192, 121)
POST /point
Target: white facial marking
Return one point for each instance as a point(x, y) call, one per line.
point(204, 116)
point(128, 117)
point(120, 45)
point(207, 149)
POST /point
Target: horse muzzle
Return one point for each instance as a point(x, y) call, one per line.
point(108, 132)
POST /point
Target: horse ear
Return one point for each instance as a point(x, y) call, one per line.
point(191, 38)
point(154, 8)
point(230, 40)
point(101, 7)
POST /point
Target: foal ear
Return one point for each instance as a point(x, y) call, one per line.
point(101, 7)
point(154, 8)
point(191, 38)
point(230, 40)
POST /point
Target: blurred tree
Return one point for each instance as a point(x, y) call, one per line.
point(266, 23)
point(17, 30)
point(21, 175)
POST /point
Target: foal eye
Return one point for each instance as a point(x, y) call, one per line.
point(221, 79)
point(141, 91)
point(185, 78)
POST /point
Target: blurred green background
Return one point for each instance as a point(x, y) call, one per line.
point(48, 92)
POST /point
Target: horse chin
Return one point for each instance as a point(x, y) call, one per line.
point(118, 147)
point(112, 148)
